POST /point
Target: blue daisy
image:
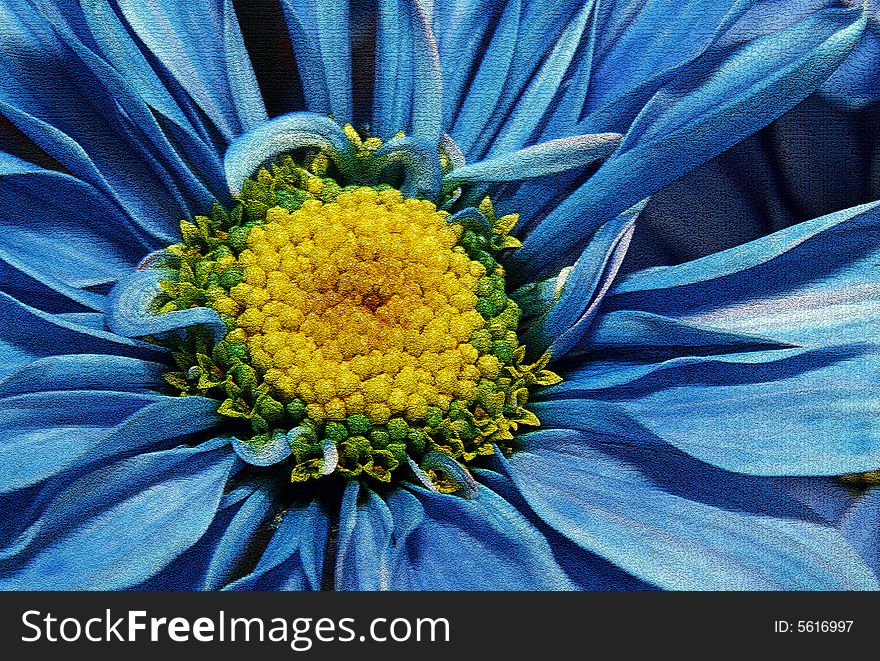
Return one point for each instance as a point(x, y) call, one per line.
point(481, 169)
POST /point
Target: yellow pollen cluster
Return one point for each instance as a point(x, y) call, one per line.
point(361, 306)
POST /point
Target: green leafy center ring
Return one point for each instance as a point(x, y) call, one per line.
point(367, 334)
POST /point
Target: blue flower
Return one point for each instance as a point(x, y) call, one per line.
point(685, 389)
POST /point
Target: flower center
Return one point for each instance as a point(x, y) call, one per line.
point(365, 306)
point(368, 334)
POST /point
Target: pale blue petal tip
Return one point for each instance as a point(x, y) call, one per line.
point(129, 309)
point(273, 452)
point(282, 135)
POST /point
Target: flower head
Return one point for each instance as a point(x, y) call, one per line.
point(365, 304)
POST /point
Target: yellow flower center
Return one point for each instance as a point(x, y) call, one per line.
point(361, 306)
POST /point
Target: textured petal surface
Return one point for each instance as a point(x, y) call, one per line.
point(608, 506)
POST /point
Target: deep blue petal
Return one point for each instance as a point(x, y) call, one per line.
point(751, 412)
point(201, 44)
point(320, 36)
point(474, 544)
point(569, 318)
point(294, 557)
point(121, 524)
point(461, 30)
point(64, 233)
point(516, 122)
point(213, 560)
point(27, 334)
point(363, 558)
point(607, 506)
point(861, 526)
point(48, 432)
point(100, 129)
point(84, 372)
point(855, 84)
point(684, 125)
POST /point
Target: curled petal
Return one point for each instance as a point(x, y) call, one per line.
point(129, 314)
point(280, 135)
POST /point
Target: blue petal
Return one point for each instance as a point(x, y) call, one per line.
point(630, 49)
point(320, 36)
point(607, 506)
point(48, 432)
point(684, 125)
point(474, 544)
point(461, 29)
point(129, 312)
point(539, 160)
point(751, 412)
point(121, 524)
point(530, 49)
point(281, 135)
point(27, 334)
point(294, 558)
point(855, 85)
point(213, 560)
point(812, 283)
point(587, 570)
point(861, 526)
point(84, 372)
point(61, 231)
point(518, 121)
point(201, 44)
point(101, 130)
point(568, 319)
point(363, 558)
point(98, 20)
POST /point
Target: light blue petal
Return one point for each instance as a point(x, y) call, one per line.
point(474, 544)
point(294, 557)
point(539, 160)
point(363, 559)
point(861, 526)
point(751, 412)
point(570, 316)
point(121, 524)
point(607, 506)
point(129, 308)
point(281, 135)
point(320, 35)
point(84, 372)
point(813, 283)
point(684, 125)
point(27, 334)
point(48, 432)
point(420, 162)
point(201, 44)
point(273, 452)
point(214, 559)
